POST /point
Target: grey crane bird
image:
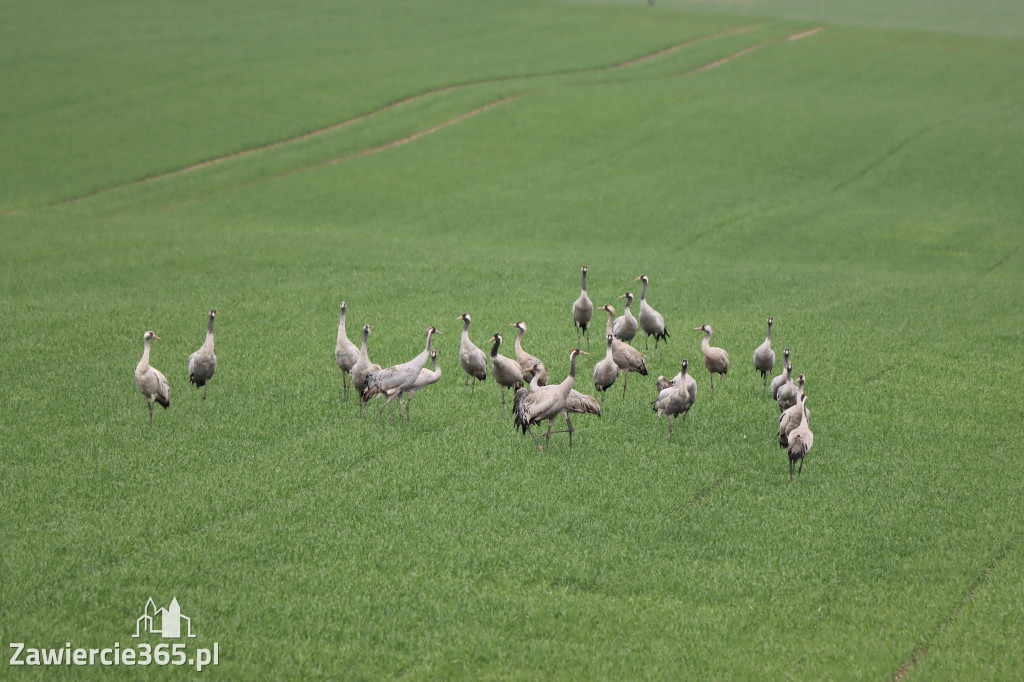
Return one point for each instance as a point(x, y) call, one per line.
point(507, 372)
point(800, 440)
point(362, 367)
point(788, 393)
point(583, 311)
point(791, 417)
point(625, 327)
point(425, 378)
point(527, 361)
point(627, 358)
point(472, 359)
point(676, 398)
point(715, 359)
point(547, 402)
point(203, 363)
point(781, 379)
point(401, 377)
point(606, 371)
point(764, 357)
point(650, 319)
point(345, 352)
point(151, 382)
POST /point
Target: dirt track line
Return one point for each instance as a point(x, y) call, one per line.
point(355, 155)
point(921, 648)
point(748, 50)
point(654, 55)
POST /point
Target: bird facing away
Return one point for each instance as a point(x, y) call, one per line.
point(547, 402)
point(151, 381)
point(781, 379)
point(627, 358)
point(527, 361)
point(800, 440)
point(203, 363)
point(715, 359)
point(788, 393)
point(426, 378)
point(472, 359)
point(625, 327)
point(345, 352)
point(606, 371)
point(507, 372)
point(676, 398)
point(651, 320)
point(791, 417)
point(362, 367)
point(764, 357)
point(583, 311)
point(400, 377)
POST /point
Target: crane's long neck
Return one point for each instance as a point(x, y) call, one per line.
point(341, 327)
point(430, 332)
point(789, 373)
point(494, 349)
point(803, 409)
point(609, 351)
point(566, 384)
point(144, 362)
point(706, 343)
point(584, 281)
point(768, 337)
point(362, 346)
point(629, 302)
point(611, 323)
point(208, 344)
point(465, 331)
point(643, 289)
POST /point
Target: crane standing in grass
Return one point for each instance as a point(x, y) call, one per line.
point(781, 379)
point(715, 359)
point(528, 363)
point(788, 394)
point(345, 352)
point(203, 363)
point(583, 311)
point(426, 378)
point(606, 371)
point(472, 359)
point(362, 367)
point(547, 402)
point(628, 359)
point(800, 440)
point(400, 377)
point(764, 357)
point(507, 372)
point(791, 417)
point(151, 382)
point(650, 319)
point(625, 327)
point(676, 398)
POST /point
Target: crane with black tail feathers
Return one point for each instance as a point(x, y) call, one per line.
point(583, 311)
point(800, 440)
point(650, 319)
point(764, 357)
point(151, 382)
point(203, 363)
point(400, 377)
point(547, 402)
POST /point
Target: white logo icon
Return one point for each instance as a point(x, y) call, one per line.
point(166, 622)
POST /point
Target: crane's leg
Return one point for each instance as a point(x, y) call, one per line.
point(656, 347)
point(625, 382)
point(670, 429)
point(790, 469)
point(151, 414)
point(646, 339)
point(530, 431)
point(801, 468)
point(344, 382)
point(603, 391)
point(381, 411)
point(588, 338)
point(712, 384)
point(408, 399)
point(502, 399)
point(547, 434)
point(568, 423)
point(577, 334)
point(203, 408)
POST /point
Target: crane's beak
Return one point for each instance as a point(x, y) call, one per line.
point(698, 329)
point(157, 337)
point(438, 331)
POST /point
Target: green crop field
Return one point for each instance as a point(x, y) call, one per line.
point(852, 169)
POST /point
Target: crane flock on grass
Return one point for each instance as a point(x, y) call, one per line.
point(535, 399)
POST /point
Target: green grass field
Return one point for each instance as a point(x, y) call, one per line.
point(861, 184)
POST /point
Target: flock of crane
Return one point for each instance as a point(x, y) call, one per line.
point(535, 400)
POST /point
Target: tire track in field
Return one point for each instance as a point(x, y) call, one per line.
point(748, 50)
point(921, 648)
point(395, 105)
point(1003, 260)
point(355, 155)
